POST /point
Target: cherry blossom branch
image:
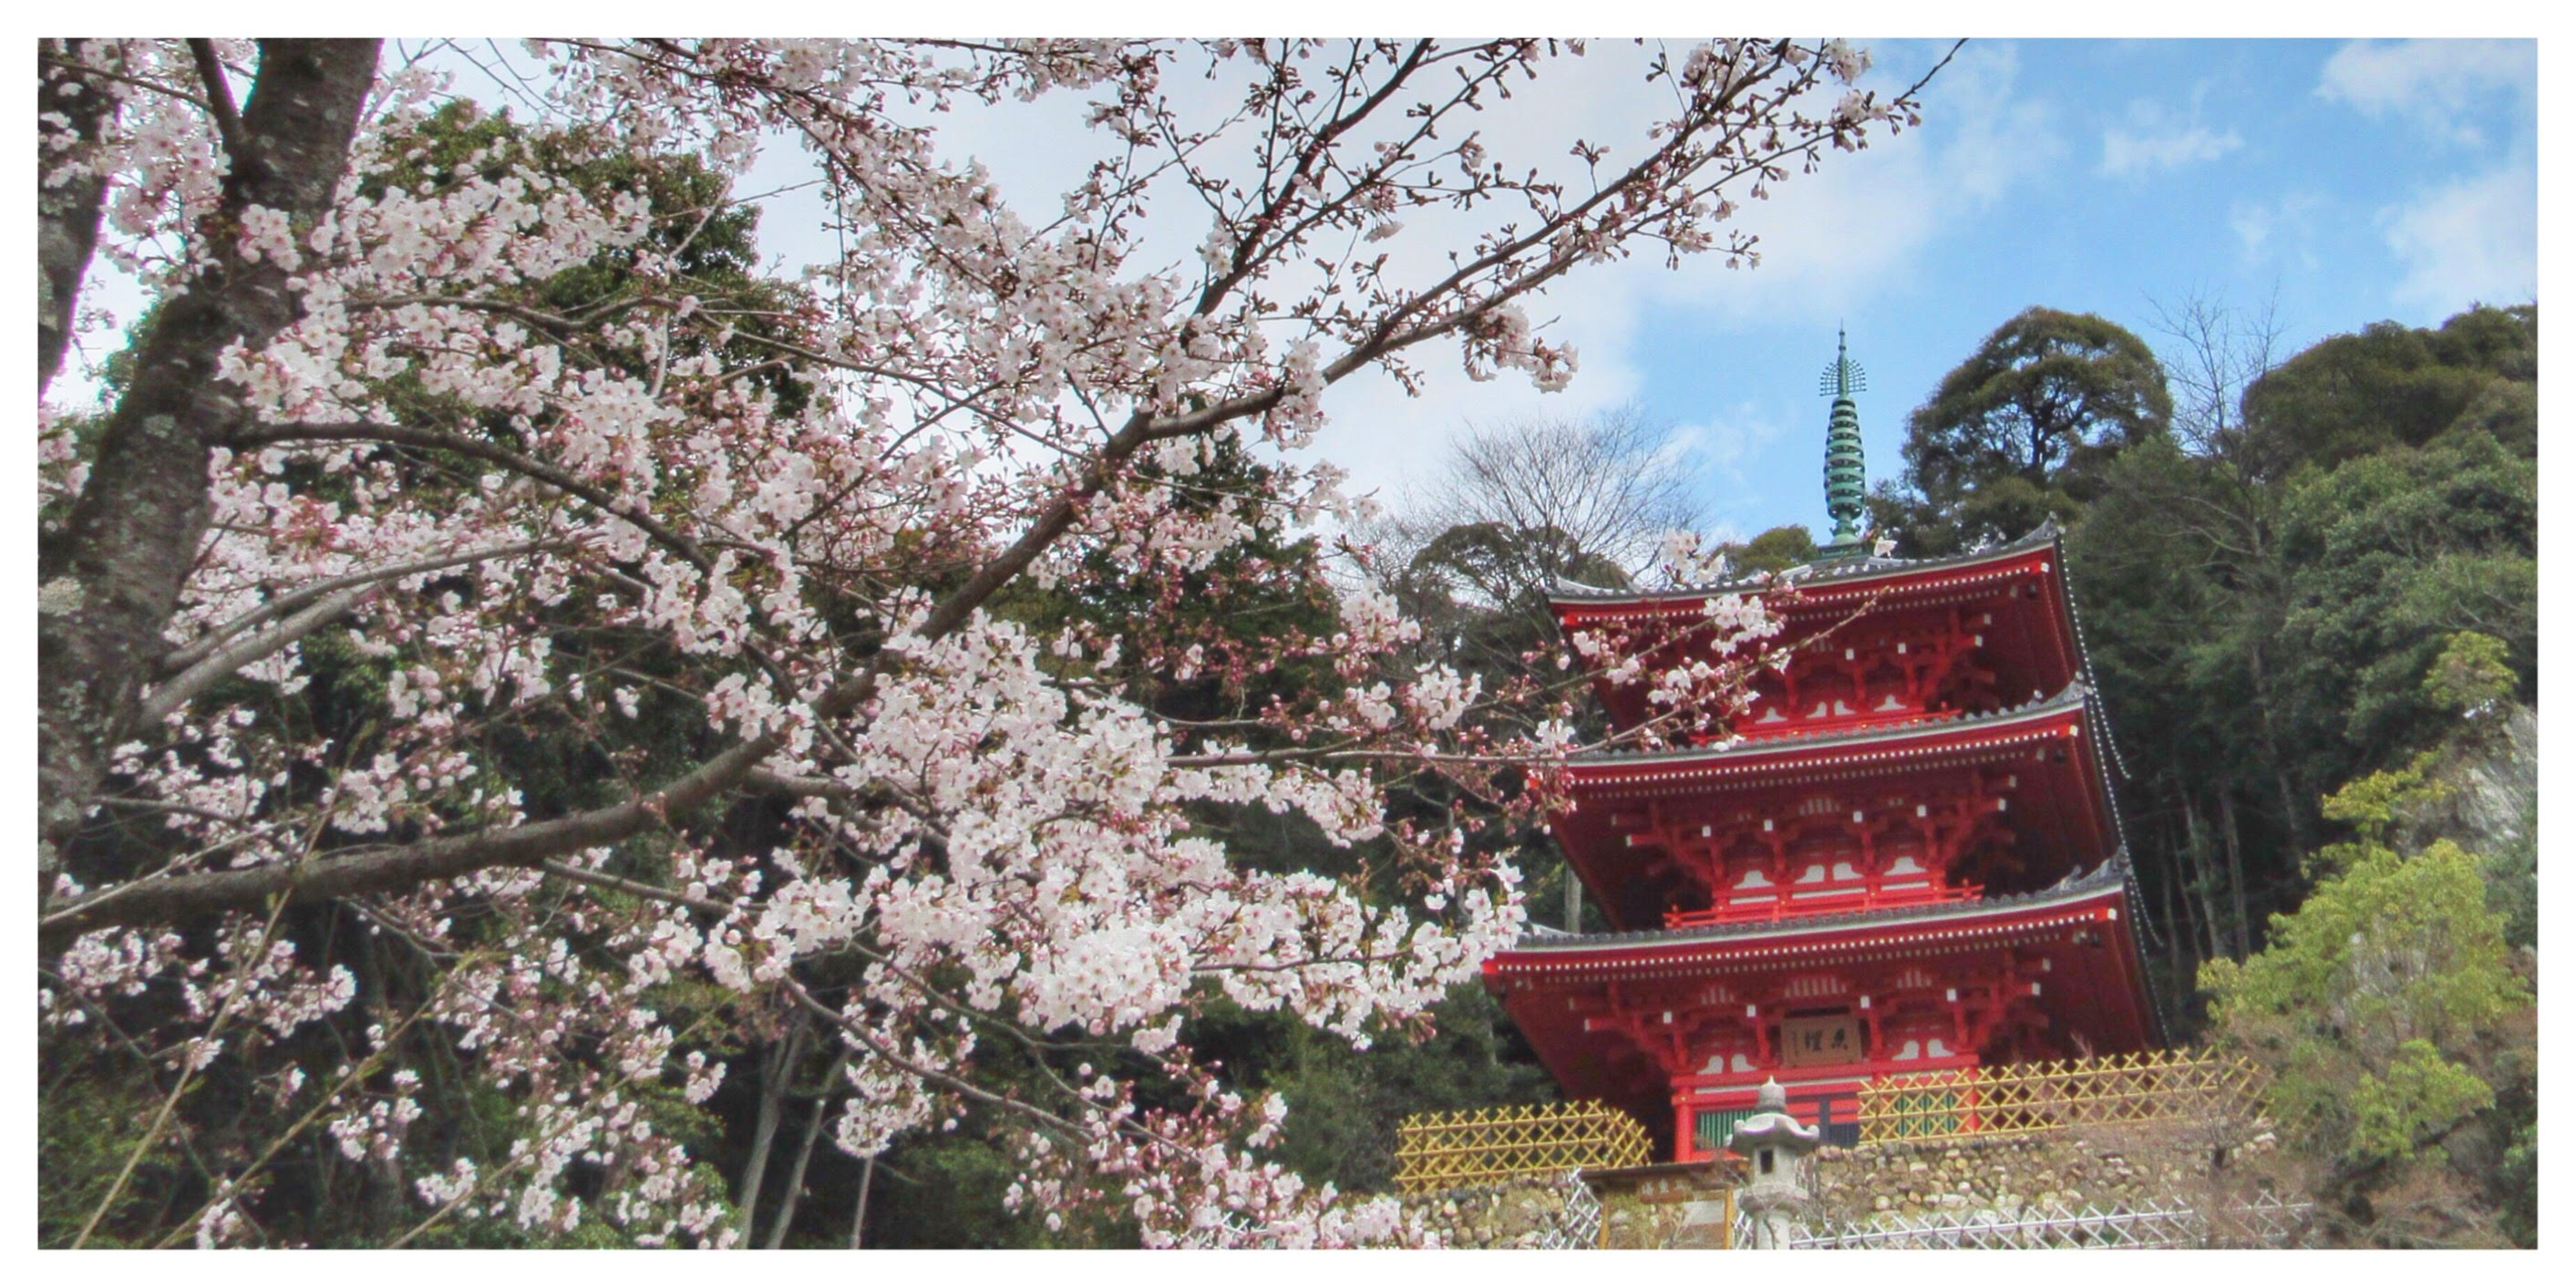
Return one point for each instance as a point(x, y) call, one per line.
point(88, 70)
point(188, 1066)
point(219, 101)
point(936, 1077)
point(622, 885)
point(481, 449)
point(483, 1179)
point(180, 659)
point(184, 687)
point(358, 1073)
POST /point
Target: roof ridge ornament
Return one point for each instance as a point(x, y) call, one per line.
point(1846, 479)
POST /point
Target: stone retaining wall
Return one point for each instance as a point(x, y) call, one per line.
point(1672, 1212)
point(1510, 1215)
point(2136, 1166)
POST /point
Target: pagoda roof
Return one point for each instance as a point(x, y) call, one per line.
point(1543, 950)
point(1759, 751)
point(1809, 576)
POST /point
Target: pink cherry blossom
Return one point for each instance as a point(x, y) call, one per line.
point(775, 553)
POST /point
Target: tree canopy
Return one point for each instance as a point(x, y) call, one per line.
point(2017, 432)
point(2389, 386)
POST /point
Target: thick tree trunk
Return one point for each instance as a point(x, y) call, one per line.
point(71, 110)
point(2176, 913)
point(2198, 846)
point(2236, 876)
point(110, 584)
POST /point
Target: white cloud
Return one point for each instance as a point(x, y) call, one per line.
point(2154, 139)
point(2433, 82)
point(2477, 240)
point(1718, 452)
point(2277, 229)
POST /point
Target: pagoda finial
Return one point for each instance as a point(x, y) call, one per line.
point(1845, 479)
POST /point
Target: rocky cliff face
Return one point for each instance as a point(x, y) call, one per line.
point(2493, 779)
point(2490, 805)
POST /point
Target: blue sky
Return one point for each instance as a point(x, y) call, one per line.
point(2345, 183)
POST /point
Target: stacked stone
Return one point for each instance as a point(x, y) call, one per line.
point(2007, 1177)
point(1513, 1214)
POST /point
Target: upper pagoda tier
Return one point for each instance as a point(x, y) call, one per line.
point(1935, 810)
point(1874, 640)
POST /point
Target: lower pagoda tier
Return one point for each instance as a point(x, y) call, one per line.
point(1681, 1026)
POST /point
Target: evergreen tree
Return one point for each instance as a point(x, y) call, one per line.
point(2020, 431)
point(2390, 385)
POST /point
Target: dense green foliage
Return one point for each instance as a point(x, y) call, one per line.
point(2020, 431)
point(1773, 549)
point(2263, 628)
point(2398, 1031)
point(2389, 386)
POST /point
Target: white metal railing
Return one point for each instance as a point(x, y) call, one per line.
point(1578, 1223)
point(2163, 1224)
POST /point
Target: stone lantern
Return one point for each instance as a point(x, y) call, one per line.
point(1774, 1144)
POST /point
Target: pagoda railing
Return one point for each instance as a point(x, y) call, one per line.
point(1439, 1151)
point(1792, 905)
point(2052, 1095)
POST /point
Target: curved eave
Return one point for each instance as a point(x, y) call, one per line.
point(2062, 716)
point(2099, 895)
point(1824, 583)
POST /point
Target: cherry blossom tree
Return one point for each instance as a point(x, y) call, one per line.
point(473, 622)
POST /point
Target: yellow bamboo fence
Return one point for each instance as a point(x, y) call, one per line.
point(2051, 1095)
point(1442, 1151)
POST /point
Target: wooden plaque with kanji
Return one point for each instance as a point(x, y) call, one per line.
point(1820, 1039)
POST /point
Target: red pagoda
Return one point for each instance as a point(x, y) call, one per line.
point(1903, 859)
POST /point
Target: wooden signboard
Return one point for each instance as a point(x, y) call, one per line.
point(1820, 1039)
